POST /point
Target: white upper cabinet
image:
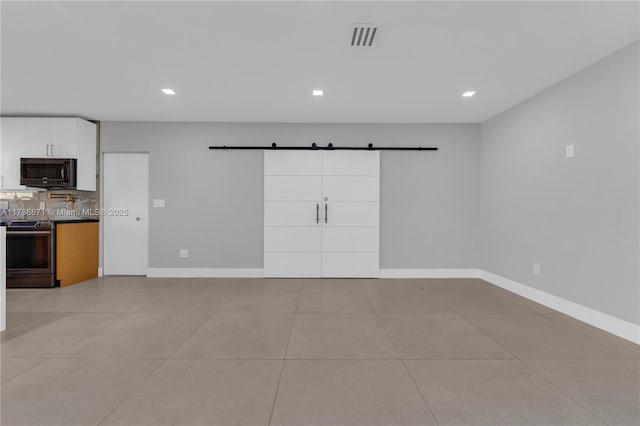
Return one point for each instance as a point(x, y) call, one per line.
point(33, 137)
point(64, 138)
point(10, 154)
point(86, 145)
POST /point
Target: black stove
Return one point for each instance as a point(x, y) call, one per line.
point(30, 254)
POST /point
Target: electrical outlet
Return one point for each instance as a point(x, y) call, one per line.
point(569, 151)
point(43, 205)
point(158, 203)
point(536, 269)
point(184, 253)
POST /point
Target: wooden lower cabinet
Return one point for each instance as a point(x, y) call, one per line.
point(76, 252)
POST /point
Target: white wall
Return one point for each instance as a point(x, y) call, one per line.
point(577, 217)
point(214, 200)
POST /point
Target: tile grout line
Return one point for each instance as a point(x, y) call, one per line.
point(192, 334)
point(295, 314)
point(55, 355)
point(404, 364)
point(160, 364)
point(40, 361)
point(487, 336)
point(290, 359)
point(44, 314)
point(30, 320)
point(537, 314)
point(366, 295)
point(229, 298)
point(538, 374)
point(309, 359)
point(587, 336)
point(413, 380)
point(135, 388)
point(373, 308)
point(516, 358)
point(524, 363)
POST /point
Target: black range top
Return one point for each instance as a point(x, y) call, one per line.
point(29, 224)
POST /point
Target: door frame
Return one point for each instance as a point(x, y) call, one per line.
point(101, 269)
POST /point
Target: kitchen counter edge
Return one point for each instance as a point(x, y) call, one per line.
point(63, 221)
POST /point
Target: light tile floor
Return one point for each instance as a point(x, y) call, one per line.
point(138, 351)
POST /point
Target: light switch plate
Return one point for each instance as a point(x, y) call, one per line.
point(158, 203)
point(536, 269)
point(570, 151)
point(43, 205)
point(184, 253)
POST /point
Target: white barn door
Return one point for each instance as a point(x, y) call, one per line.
point(321, 213)
point(292, 230)
point(351, 203)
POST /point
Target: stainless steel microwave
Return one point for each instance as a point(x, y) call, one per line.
point(48, 172)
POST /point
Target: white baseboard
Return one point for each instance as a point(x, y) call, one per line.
point(606, 322)
point(259, 273)
point(205, 272)
point(430, 273)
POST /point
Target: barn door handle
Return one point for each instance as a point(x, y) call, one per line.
point(317, 213)
point(326, 213)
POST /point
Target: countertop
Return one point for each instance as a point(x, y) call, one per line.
point(56, 221)
point(83, 220)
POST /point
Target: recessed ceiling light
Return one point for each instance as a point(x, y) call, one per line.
point(318, 92)
point(468, 94)
point(168, 92)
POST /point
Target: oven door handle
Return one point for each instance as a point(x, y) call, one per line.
point(10, 232)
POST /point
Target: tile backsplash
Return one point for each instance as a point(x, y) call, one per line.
point(58, 204)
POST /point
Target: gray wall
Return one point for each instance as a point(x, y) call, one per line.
point(577, 217)
point(214, 199)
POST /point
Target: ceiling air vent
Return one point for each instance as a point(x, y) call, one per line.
point(363, 35)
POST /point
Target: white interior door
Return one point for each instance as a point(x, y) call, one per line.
point(292, 228)
point(351, 207)
point(126, 204)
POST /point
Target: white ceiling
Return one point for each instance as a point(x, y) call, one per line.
point(259, 61)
